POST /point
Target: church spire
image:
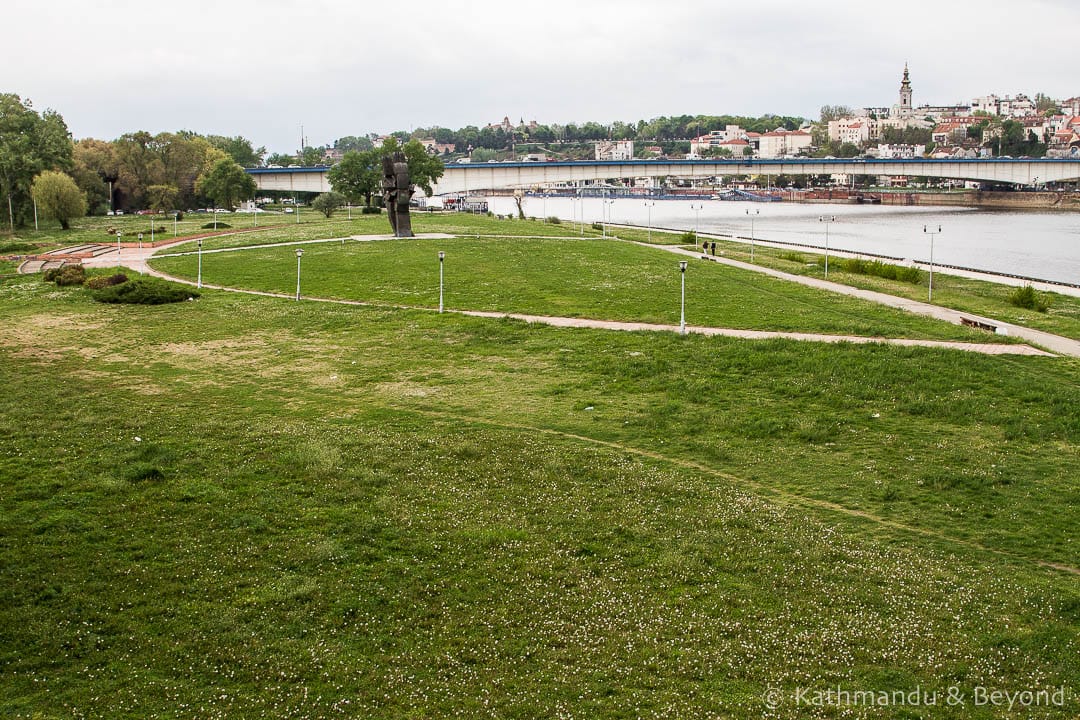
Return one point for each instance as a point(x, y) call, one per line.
point(905, 94)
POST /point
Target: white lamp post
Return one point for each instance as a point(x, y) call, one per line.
point(649, 206)
point(442, 256)
point(752, 214)
point(174, 217)
point(682, 304)
point(299, 254)
point(697, 217)
point(828, 220)
point(931, 233)
point(198, 282)
point(140, 241)
point(118, 234)
point(215, 218)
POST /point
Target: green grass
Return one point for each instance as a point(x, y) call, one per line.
point(254, 507)
point(573, 277)
point(969, 295)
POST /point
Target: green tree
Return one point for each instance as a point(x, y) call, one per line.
point(311, 156)
point(162, 197)
point(94, 170)
point(239, 149)
point(58, 197)
point(328, 202)
point(29, 144)
point(358, 175)
point(424, 169)
point(225, 183)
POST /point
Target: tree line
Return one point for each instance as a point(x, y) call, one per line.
point(138, 170)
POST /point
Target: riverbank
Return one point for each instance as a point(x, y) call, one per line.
point(987, 199)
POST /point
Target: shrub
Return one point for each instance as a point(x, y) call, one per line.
point(793, 257)
point(220, 226)
point(688, 238)
point(70, 275)
point(50, 275)
point(1027, 297)
point(370, 210)
point(18, 248)
point(553, 220)
point(145, 291)
point(597, 226)
point(858, 266)
point(103, 281)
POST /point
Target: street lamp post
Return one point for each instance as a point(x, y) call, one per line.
point(752, 214)
point(697, 218)
point(118, 234)
point(682, 304)
point(442, 256)
point(140, 241)
point(828, 220)
point(198, 282)
point(649, 206)
point(931, 233)
point(174, 217)
point(299, 254)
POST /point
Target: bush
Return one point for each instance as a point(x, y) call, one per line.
point(553, 220)
point(858, 266)
point(103, 281)
point(70, 275)
point(597, 226)
point(145, 291)
point(688, 238)
point(1027, 297)
point(18, 248)
point(220, 226)
point(371, 210)
point(793, 257)
point(50, 275)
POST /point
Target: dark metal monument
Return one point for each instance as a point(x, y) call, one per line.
point(397, 191)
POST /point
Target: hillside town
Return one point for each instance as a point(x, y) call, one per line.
point(987, 126)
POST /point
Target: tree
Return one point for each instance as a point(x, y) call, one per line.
point(162, 197)
point(58, 197)
point(328, 202)
point(225, 183)
point(358, 175)
point(281, 160)
point(239, 149)
point(29, 144)
point(424, 169)
point(311, 156)
point(94, 170)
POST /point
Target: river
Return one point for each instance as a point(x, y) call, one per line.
point(1042, 245)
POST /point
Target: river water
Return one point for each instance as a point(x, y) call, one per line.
point(1041, 245)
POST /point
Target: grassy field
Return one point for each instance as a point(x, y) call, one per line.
point(574, 277)
point(248, 507)
point(244, 506)
point(966, 294)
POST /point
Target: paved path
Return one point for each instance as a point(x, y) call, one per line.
point(137, 259)
point(1056, 343)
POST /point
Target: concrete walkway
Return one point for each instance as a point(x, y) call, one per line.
point(1055, 343)
point(137, 259)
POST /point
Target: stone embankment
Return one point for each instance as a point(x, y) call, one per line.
point(973, 198)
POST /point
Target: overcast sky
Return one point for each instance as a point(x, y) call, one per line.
point(339, 67)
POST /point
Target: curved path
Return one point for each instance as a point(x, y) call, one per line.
point(1056, 343)
point(138, 260)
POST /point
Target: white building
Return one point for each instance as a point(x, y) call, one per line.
point(609, 150)
point(850, 130)
point(783, 143)
point(900, 152)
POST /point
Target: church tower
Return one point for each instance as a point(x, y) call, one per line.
point(905, 95)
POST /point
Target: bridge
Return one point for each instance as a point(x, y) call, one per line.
point(465, 177)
